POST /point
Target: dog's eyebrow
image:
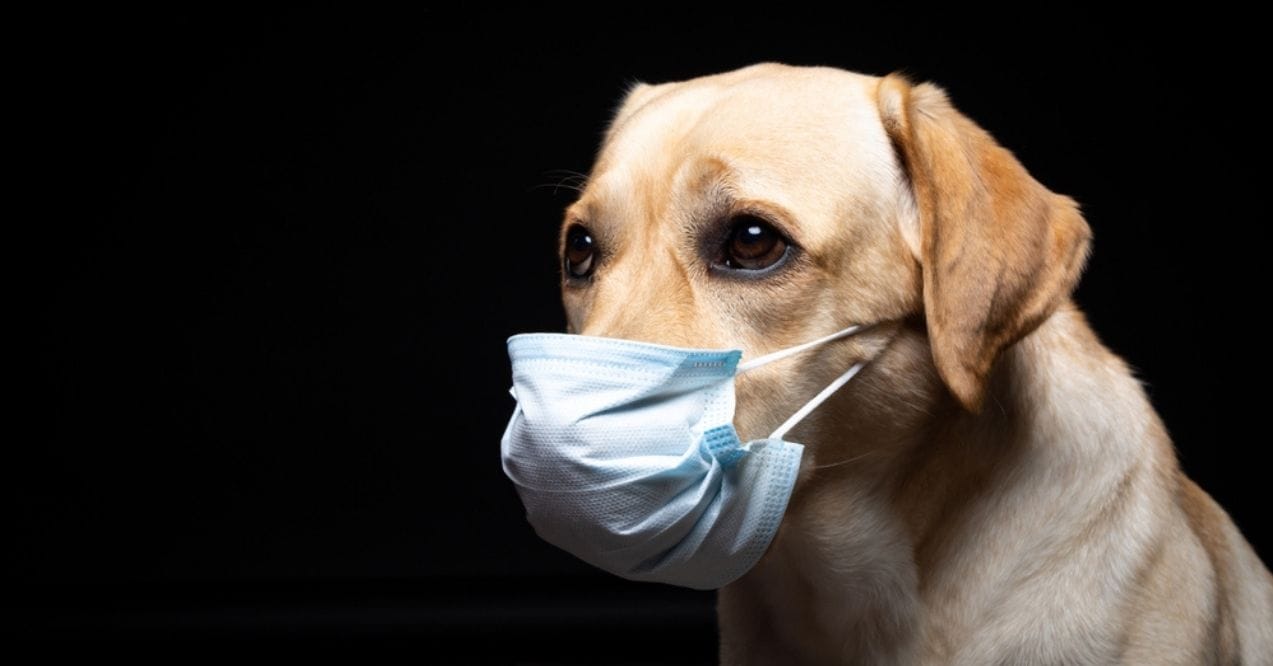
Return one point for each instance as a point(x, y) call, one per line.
point(579, 211)
point(712, 173)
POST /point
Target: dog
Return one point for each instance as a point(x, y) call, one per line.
point(994, 487)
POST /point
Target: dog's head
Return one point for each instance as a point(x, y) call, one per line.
point(774, 205)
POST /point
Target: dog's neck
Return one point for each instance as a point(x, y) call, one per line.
point(1063, 425)
point(1063, 419)
point(1058, 401)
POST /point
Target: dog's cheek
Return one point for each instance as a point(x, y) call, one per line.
point(575, 308)
point(757, 398)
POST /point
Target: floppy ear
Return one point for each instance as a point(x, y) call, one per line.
point(999, 252)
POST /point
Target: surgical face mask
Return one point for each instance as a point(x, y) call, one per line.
point(624, 454)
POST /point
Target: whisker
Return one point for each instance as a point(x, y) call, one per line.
point(558, 186)
point(566, 172)
point(570, 180)
point(845, 462)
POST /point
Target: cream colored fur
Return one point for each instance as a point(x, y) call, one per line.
point(994, 488)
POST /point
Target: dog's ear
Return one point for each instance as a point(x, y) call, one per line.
point(999, 252)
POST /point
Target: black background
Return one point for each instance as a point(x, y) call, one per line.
point(277, 256)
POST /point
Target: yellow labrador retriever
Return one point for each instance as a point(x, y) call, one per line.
point(994, 488)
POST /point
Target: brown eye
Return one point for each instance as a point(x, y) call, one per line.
point(581, 252)
point(753, 244)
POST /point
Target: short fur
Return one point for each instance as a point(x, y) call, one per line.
point(994, 488)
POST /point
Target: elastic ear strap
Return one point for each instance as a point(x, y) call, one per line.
point(791, 351)
point(817, 400)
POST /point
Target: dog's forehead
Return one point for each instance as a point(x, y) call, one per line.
point(799, 137)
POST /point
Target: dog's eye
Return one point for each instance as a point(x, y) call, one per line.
point(753, 244)
point(581, 252)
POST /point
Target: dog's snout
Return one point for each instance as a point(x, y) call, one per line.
point(647, 299)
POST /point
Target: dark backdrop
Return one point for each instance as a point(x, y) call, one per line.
point(277, 256)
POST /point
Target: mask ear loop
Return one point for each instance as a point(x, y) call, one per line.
point(822, 396)
point(792, 351)
point(817, 400)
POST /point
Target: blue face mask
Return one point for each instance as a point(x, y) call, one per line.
point(624, 454)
